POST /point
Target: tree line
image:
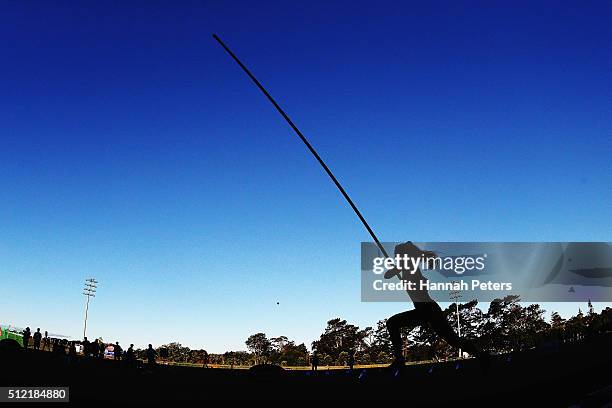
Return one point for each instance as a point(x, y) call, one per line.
point(506, 326)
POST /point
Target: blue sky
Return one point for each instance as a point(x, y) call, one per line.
point(134, 150)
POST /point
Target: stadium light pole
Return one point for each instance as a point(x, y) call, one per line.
point(455, 295)
point(89, 291)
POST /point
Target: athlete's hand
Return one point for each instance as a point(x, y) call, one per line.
point(430, 254)
point(392, 272)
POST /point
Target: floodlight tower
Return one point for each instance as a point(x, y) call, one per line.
point(89, 291)
point(455, 295)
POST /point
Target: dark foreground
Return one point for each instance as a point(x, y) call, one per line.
point(574, 374)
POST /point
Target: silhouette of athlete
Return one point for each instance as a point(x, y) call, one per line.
point(426, 310)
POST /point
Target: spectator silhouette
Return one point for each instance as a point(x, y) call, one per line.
point(314, 361)
point(426, 310)
point(86, 347)
point(351, 359)
point(206, 359)
point(151, 354)
point(95, 348)
point(72, 354)
point(59, 347)
point(46, 341)
point(101, 348)
point(26, 337)
point(37, 338)
point(129, 355)
point(117, 351)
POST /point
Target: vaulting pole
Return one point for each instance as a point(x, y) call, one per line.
point(307, 143)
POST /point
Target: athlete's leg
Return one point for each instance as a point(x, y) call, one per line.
point(395, 323)
point(432, 314)
point(440, 325)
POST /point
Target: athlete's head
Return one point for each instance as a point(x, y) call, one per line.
point(407, 248)
point(412, 251)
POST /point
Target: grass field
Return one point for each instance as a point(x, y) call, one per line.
point(565, 376)
point(7, 334)
point(295, 368)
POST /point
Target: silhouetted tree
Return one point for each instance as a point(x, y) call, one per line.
point(176, 352)
point(507, 326)
point(380, 348)
point(340, 336)
point(260, 346)
point(557, 327)
point(286, 351)
point(576, 326)
point(501, 325)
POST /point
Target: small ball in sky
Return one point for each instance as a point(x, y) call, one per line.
point(278, 303)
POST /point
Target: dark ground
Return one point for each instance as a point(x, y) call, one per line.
point(558, 378)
